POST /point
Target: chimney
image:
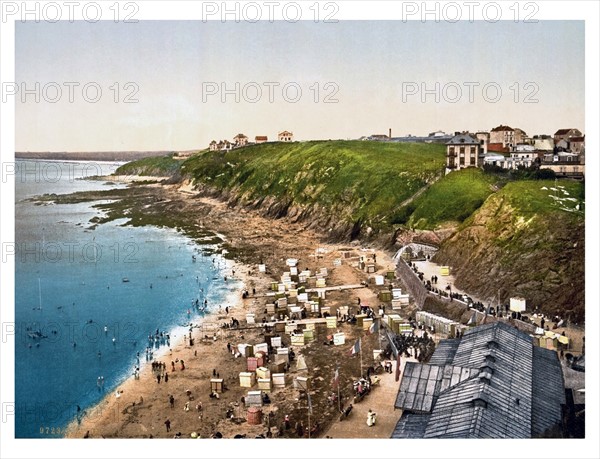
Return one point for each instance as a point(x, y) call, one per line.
point(390, 133)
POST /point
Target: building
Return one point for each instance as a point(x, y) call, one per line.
point(504, 135)
point(566, 134)
point(494, 382)
point(285, 136)
point(565, 164)
point(496, 159)
point(260, 139)
point(240, 140)
point(542, 142)
point(577, 145)
point(484, 140)
point(213, 146)
point(437, 134)
point(462, 151)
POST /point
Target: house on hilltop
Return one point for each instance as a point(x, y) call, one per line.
point(261, 139)
point(462, 151)
point(494, 382)
point(240, 140)
point(285, 136)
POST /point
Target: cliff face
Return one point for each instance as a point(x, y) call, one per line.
point(526, 240)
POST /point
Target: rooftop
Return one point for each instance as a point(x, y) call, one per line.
point(492, 383)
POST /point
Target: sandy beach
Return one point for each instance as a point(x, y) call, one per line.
point(139, 408)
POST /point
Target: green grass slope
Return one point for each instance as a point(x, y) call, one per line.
point(528, 239)
point(451, 199)
point(359, 181)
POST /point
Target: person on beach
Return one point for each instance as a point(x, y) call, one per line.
point(182, 365)
point(172, 401)
point(166, 377)
point(172, 365)
point(158, 379)
point(168, 425)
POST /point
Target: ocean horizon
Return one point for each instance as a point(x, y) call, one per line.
point(87, 297)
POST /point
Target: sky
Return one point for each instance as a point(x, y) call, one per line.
point(171, 85)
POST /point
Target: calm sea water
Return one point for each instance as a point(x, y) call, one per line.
point(70, 290)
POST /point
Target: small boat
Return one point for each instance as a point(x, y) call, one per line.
point(125, 279)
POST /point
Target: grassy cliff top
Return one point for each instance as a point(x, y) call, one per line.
point(367, 178)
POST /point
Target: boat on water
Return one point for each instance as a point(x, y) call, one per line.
point(125, 279)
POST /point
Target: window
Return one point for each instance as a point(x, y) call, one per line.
point(462, 150)
point(451, 151)
point(462, 160)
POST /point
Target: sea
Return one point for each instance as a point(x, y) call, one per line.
point(88, 299)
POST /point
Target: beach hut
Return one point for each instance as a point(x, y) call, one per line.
point(250, 318)
point(247, 379)
point(254, 416)
point(278, 379)
point(385, 295)
point(261, 347)
point(367, 322)
point(379, 280)
point(290, 328)
point(270, 308)
point(276, 341)
point(331, 322)
point(518, 304)
point(297, 340)
point(245, 350)
point(216, 385)
point(303, 297)
point(282, 355)
point(370, 268)
point(264, 384)
point(262, 268)
point(325, 310)
point(360, 318)
point(391, 275)
point(320, 283)
point(254, 398)
point(309, 335)
point(278, 367)
point(444, 270)
point(302, 383)
point(339, 339)
point(291, 262)
point(263, 373)
point(396, 293)
point(251, 363)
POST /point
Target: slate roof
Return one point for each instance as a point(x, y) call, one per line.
point(502, 128)
point(463, 139)
point(492, 383)
point(444, 353)
point(548, 386)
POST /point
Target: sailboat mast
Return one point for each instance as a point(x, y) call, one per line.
point(40, 292)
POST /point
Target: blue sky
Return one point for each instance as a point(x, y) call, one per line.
point(369, 63)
